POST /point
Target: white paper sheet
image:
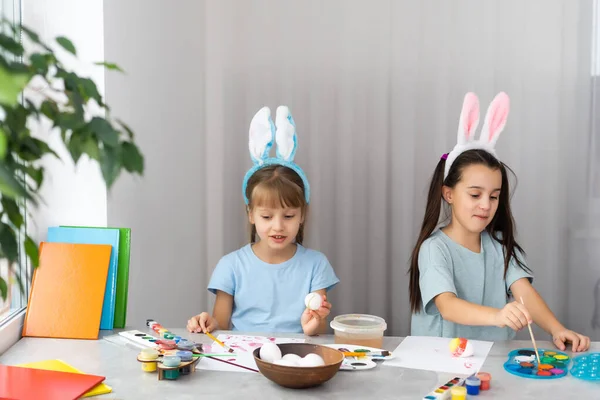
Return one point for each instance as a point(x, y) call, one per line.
point(433, 354)
point(243, 347)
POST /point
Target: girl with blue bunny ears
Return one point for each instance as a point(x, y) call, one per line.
point(262, 286)
point(464, 274)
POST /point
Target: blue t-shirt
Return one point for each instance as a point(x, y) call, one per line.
point(446, 266)
point(270, 297)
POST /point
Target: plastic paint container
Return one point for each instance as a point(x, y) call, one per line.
point(486, 380)
point(148, 357)
point(359, 329)
point(458, 392)
point(473, 383)
point(185, 345)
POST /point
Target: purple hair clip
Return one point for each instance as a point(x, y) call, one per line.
point(445, 156)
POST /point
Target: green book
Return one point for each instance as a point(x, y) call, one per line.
point(122, 274)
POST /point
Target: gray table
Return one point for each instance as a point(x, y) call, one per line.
point(123, 373)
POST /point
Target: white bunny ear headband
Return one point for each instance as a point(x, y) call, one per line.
point(494, 122)
point(262, 135)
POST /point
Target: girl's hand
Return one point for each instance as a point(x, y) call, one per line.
point(311, 319)
point(514, 315)
point(202, 323)
point(578, 342)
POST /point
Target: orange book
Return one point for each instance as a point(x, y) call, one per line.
point(34, 384)
point(67, 291)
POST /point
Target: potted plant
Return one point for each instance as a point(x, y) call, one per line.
point(66, 101)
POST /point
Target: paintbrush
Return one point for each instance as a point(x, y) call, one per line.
point(219, 342)
point(384, 353)
point(532, 338)
point(235, 365)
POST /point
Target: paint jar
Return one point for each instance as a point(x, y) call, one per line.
point(184, 355)
point(359, 329)
point(171, 361)
point(458, 392)
point(485, 379)
point(185, 344)
point(148, 359)
point(473, 384)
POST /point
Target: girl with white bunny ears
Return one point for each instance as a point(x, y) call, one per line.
point(262, 286)
point(463, 274)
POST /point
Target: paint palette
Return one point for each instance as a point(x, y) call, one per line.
point(523, 363)
point(443, 392)
point(359, 363)
point(587, 367)
point(362, 349)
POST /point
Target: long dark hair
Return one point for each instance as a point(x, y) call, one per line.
point(276, 186)
point(501, 228)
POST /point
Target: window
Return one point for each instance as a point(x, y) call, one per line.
point(16, 299)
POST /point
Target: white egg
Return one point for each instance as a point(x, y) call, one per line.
point(313, 301)
point(270, 352)
point(286, 362)
point(291, 357)
point(468, 350)
point(311, 360)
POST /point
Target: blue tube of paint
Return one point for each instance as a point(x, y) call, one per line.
point(473, 383)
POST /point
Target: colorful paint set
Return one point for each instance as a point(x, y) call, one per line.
point(523, 363)
point(454, 389)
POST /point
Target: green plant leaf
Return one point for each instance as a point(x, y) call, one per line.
point(50, 109)
point(12, 85)
point(127, 129)
point(69, 121)
point(34, 37)
point(3, 289)
point(11, 45)
point(8, 241)
point(90, 147)
point(110, 164)
point(111, 66)
point(66, 44)
point(37, 174)
point(9, 185)
point(31, 249)
point(3, 143)
point(104, 130)
point(132, 159)
point(75, 147)
point(90, 89)
point(39, 63)
point(10, 207)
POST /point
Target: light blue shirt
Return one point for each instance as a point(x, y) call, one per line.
point(445, 266)
point(270, 297)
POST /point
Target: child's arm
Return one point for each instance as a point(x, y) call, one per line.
point(220, 319)
point(462, 312)
point(315, 322)
point(543, 317)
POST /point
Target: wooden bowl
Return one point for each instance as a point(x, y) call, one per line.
point(301, 377)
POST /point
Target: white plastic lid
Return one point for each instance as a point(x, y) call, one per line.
point(358, 323)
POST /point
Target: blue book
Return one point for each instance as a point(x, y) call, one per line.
point(95, 236)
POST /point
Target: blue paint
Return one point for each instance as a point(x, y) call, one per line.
point(473, 383)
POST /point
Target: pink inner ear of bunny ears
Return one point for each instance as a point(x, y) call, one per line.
point(444, 156)
point(470, 115)
point(499, 114)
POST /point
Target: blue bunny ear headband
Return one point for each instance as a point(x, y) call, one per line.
point(261, 138)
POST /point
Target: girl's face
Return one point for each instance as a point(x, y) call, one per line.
point(277, 227)
point(474, 199)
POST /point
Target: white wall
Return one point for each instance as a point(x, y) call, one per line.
point(72, 195)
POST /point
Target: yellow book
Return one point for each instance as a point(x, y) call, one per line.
point(58, 365)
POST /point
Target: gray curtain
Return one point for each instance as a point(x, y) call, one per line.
point(375, 88)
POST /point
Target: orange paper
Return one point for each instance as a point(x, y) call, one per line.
point(67, 291)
